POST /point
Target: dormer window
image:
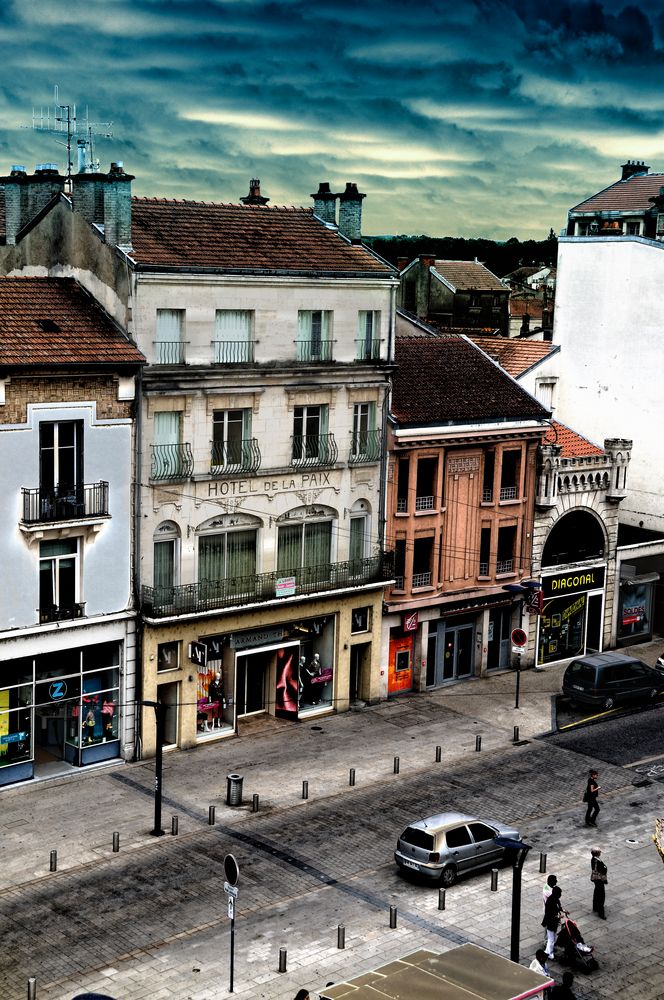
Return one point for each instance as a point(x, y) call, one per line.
point(48, 326)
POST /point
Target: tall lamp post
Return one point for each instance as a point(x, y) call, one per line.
point(523, 588)
point(519, 852)
point(160, 712)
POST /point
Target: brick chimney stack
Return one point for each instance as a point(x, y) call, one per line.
point(633, 167)
point(325, 203)
point(117, 206)
point(26, 195)
point(254, 197)
point(350, 213)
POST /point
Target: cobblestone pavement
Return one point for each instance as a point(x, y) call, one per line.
point(151, 920)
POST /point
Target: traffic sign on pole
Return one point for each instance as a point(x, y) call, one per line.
point(519, 637)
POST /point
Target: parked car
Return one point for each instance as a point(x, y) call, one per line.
point(609, 679)
point(660, 663)
point(448, 845)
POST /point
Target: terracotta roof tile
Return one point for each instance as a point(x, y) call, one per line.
point(461, 384)
point(516, 356)
point(574, 445)
point(469, 275)
point(53, 321)
point(630, 195)
point(195, 234)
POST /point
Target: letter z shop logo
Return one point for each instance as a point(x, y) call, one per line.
point(57, 690)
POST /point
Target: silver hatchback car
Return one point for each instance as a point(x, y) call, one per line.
point(445, 846)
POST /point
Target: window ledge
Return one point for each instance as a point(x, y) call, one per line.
point(484, 578)
point(492, 503)
point(423, 590)
point(86, 528)
point(511, 503)
point(506, 576)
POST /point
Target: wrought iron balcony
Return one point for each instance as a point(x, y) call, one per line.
point(367, 350)
point(230, 457)
point(60, 613)
point(169, 352)
point(504, 566)
point(508, 493)
point(402, 505)
point(487, 494)
point(484, 569)
point(171, 461)
point(65, 503)
point(421, 579)
point(365, 447)
point(314, 350)
point(314, 450)
point(233, 352)
point(210, 595)
point(424, 503)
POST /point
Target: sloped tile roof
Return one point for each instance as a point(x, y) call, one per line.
point(194, 234)
point(441, 379)
point(469, 275)
point(53, 321)
point(630, 195)
point(574, 445)
point(516, 356)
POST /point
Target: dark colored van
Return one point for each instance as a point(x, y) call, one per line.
point(608, 679)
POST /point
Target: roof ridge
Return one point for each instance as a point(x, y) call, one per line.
point(156, 200)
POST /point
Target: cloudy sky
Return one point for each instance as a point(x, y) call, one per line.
point(456, 117)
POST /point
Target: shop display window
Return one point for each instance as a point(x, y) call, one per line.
point(360, 618)
point(15, 725)
point(315, 675)
point(168, 656)
point(211, 701)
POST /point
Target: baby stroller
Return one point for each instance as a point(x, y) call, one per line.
point(577, 952)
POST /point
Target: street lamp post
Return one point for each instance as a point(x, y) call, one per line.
point(520, 851)
point(160, 714)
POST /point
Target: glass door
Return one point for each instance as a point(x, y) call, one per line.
point(457, 653)
point(250, 684)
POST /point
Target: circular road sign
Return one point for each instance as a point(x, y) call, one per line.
point(519, 637)
point(231, 869)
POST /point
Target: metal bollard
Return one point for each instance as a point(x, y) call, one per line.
point(54, 861)
point(305, 789)
point(351, 776)
point(478, 742)
point(255, 803)
point(542, 862)
point(282, 959)
point(441, 899)
point(393, 917)
point(341, 936)
point(396, 765)
point(174, 826)
point(516, 734)
point(494, 880)
point(32, 988)
point(439, 753)
point(211, 815)
point(116, 842)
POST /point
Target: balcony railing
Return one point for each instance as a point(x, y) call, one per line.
point(484, 569)
point(508, 492)
point(191, 598)
point(487, 494)
point(398, 583)
point(421, 579)
point(65, 503)
point(402, 505)
point(424, 503)
point(367, 350)
point(313, 450)
point(233, 352)
point(169, 352)
point(504, 566)
point(171, 461)
point(235, 456)
point(314, 350)
point(60, 613)
point(365, 447)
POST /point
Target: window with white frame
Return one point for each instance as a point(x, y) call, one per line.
point(358, 541)
point(633, 227)
point(227, 555)
point(307, 545)
point(165, 557)
point(365, 446)
point(545, 391)
point(368, 334)
point(58, 577)
point(170, 460)
point(170, 337)
point(309, 432)
point(233, 340)
point(231, 440)
point(313, 335)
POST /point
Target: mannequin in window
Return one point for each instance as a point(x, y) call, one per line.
point(89, 726)
point(216, 694)
point(311, 672)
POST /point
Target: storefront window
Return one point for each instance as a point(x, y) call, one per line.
point(168, 656)
point(562, 629)
point(15, 725)
point(635, 609)
point(359, 620)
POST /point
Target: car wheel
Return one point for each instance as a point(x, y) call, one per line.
point(448, 876)
point(608, 703)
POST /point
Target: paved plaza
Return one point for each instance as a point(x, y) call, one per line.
point(151, 920)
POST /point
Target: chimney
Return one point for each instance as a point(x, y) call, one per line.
point(25, 196)
point(402, 263)
point(325, 203)
point(350, 213)
point(633, 167)
point(117, 206)
point(254, 197)
point(423, 284)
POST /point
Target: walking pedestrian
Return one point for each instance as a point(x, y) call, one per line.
point(598, 877)
point(552, 913)
point(548, 886)
point(302, 995)
point(538, 964)
point(590, 798)
point(563, 991)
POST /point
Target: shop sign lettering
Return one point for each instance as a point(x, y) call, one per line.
point(243, 640)
point(268, 487)
point(579, 580)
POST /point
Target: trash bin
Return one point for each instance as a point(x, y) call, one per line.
point(234, 789)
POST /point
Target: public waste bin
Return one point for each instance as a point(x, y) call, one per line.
point(234, 789)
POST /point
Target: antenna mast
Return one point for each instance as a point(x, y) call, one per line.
point(62, 121)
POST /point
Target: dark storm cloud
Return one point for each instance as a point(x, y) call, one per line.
point(482, 117)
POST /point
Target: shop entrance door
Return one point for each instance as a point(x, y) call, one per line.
point(250, 684)
point(169, 696)
point(458, 652)
point(50, 731)
point(594, 624)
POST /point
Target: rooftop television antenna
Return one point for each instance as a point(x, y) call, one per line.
point(61, 120)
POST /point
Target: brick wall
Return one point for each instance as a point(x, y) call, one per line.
point(20, 392)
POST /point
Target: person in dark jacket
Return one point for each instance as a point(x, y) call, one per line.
point(563, 991)
point(598, 877)
point(592, 793)
point(552, 913)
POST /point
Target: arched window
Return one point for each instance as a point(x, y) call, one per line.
point(227, 548)
point(304, 539)
point(576, 535)
point(166, 556)
point(359, 534)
